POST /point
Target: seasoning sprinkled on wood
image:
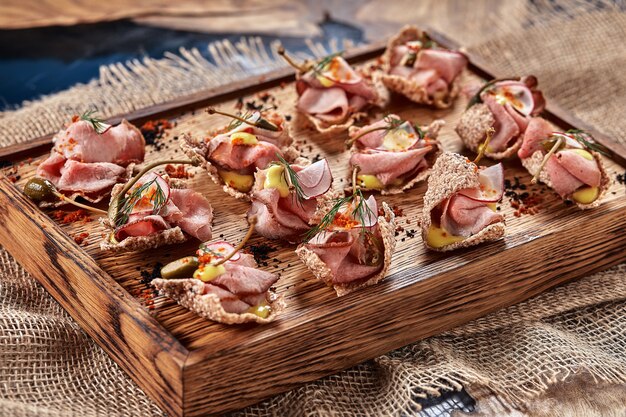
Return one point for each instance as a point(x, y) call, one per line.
point(153, 130)
point(72, 216)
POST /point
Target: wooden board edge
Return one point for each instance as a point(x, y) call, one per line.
point(259, 373)
point(193, 101)
point(116, 321)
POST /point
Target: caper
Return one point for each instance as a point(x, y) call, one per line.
point(180, 268)
point(40, 189)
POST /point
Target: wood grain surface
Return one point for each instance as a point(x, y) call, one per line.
point(191, 366)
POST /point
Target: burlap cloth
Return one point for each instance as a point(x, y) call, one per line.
point(561, 353)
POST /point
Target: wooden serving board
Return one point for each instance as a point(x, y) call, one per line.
point(191, 366)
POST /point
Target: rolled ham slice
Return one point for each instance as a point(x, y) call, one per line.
point(397, 164)
point(423, 72)
point(86, 164)
point(286, 217)
point(507, 106)
point(346, 258)
point(218, 153)
point(185, 213)
point(334, 96)
point(567, 170)
point(229, 297)
point(458, 200)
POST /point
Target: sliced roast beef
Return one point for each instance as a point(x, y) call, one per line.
point(184, 208)
point(331, 94)
point(584, 169)
point(340, 251)
point(463, 216)
point(537, 131)
point(288, 217)
point(506, 126)
point(121, 144)
point(241, 157)
point(85, 163)
point(388, 166)
point(242, 286)
point(196, 213)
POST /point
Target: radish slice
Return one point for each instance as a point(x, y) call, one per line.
point(569, 140)
point(315, 179)
point(221, 249)
point(370, 215)
point(144, 204)
point(515, 93)
point(491, 185)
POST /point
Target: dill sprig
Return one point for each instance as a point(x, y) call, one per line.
point(98, 124)
point(322, 63)
point(292, 179)
point(158, 200)
point(359, 213)
point(586, 140)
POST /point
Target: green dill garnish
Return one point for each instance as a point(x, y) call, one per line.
point(291, 178)
point(98, 125)
point(419, 131)
point(586, 140)
point(359, 213)
point(322, 63)
point(158, 200)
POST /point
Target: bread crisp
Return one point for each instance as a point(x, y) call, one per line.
point(321, 272)
point(188, 292)
point(453, 172)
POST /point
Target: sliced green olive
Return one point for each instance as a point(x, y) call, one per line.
point(40, 189)
point(180, 268)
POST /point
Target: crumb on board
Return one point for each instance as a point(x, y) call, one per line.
point(147, 293)
point(65, 217)
point(177, 171)
point(81, 238)
point(153, 131)
point(521, 200)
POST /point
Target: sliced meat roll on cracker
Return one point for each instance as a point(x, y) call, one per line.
point(90, 157)
point(232, 155)
point(285, 197)
point(460, 204)
point(232, 293)
point(416, 67)
point(392, 154)
point(332, 95)
point(505, 105)
point(352, 246)
point(156, 211)
point(567, 162)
